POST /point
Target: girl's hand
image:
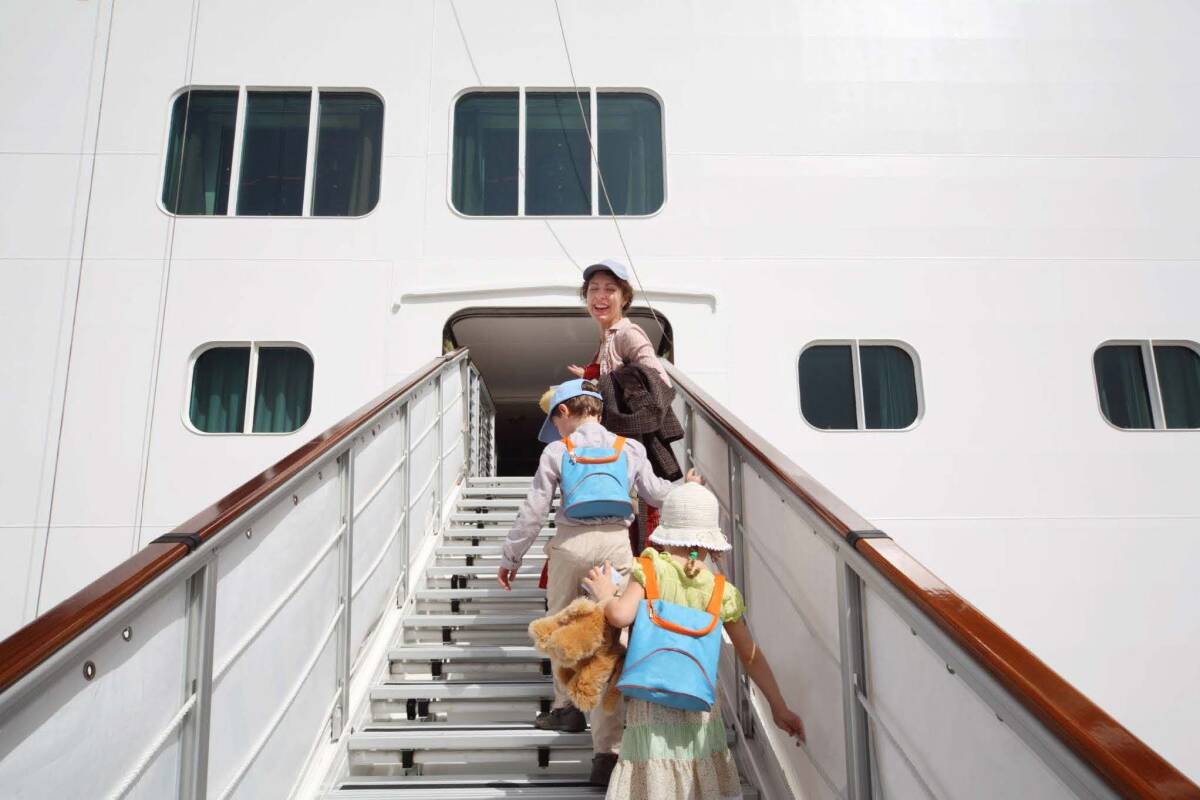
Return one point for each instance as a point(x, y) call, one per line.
point(788, 722)
point(694, 477)
point(575, 370)
point(599, 584)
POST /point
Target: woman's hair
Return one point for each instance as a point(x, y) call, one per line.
point(583, 405)
point(625, 287)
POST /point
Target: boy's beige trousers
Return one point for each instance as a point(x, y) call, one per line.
point(572, 552)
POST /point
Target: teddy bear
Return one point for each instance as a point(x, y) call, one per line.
point(585, 650)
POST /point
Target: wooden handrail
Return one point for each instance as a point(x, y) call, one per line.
point(1128, 764)
point(45, 635)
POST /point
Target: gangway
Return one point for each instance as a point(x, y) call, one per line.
point(332, 629)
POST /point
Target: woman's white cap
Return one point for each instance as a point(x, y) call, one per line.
point(691, 517)
point(610, 264)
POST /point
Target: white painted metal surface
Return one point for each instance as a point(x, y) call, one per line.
point(1002, 186)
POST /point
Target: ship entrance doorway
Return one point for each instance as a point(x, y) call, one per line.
point(522, 351)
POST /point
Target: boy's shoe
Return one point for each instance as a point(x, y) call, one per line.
point(602, 767)
point(568, 719)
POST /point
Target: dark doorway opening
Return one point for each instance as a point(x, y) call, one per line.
point(521, 351)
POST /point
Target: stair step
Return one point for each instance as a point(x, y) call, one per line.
point(488, 534)
point(468, 503)
point(499, 480)
point(496, 593)
point(463, 787)
point(462, 690)
point(474, 550)
point(469, 620)
point(502, 736)
point(491, 518)
point(528, 571)
point(450, 653)
point(500, 492)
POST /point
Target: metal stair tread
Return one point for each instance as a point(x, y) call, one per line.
point(486, 533)
point(462, 690)
point(477, 570)
point(467, 652)
point(478, 594)
point(468, 620)
point(501, 736)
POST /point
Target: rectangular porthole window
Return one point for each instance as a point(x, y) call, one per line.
point(859, 386)
point(1146, 385)
point(286, 165)
point(279, 378)
point(519, 153)
point(200, 152)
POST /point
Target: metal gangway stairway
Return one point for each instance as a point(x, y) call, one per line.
point(332, 629)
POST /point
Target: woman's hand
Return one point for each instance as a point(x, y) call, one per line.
point(599, 583)
point(575, 370)
point(694, 477)
point(788, 722)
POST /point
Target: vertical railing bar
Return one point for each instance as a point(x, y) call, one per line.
point(406, 409)
point(440, 497)
point(851, 634)
point(345, 588)
point(202, 599)
point(464, 388)
point(738, 533)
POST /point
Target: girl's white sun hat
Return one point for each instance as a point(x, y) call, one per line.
point(691, 517)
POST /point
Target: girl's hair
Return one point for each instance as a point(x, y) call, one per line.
point(695, 556)
point(624, 286)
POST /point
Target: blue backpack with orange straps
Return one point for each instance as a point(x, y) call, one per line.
point(595, 481)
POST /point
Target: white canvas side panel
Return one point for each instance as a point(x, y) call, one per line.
point(103, 727)
point(957, 744)
point(790, 591)
point(711, 456)
point(377, 538)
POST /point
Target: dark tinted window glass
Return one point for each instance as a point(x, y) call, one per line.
point(200, 153)
point(218, 403)
point(349, 140)
point(889, 385)
point(283, 389)
point(558, 179)
point(1121, 380)
point(484, 179)
point(629, 147)
point(1179, 382)
point(274, 151)
point(827, 387)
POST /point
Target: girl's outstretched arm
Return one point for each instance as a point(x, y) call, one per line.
point(621, 611)
point(755, 663)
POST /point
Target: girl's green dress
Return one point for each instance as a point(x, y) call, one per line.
point(667, 753)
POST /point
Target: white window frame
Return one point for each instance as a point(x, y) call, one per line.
point(251, 386)
point(593, 156)
point(860, 412)
point(239, 129)
point(1158, 414)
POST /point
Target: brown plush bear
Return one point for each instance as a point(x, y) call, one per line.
point(585, 649)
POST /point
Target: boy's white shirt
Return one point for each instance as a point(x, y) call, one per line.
point(532, 516)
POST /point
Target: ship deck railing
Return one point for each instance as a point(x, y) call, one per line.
point(234, 656)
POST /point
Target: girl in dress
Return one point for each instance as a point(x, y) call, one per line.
point(667, 753)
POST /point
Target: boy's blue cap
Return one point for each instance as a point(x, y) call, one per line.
point(562, 393)
point(610, 264)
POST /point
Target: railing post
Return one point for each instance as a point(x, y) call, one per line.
point(201, 611)
point(464, 384)
point(407, 500)
point(851, 634)
point(689, 436)
point(738, 535)
point(441, 445)
point(345, 589)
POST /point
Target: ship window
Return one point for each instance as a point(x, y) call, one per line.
point(858, 386)
point(279, 378)
point(274, 147)
point(349, 150)
point(197, 178)
point(557, 174)
point(281, 173)
point(484, 182)
point(1149, 385)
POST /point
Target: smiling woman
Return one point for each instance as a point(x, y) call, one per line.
point(608, 294)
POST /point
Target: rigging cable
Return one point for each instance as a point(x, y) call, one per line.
point(587, 127)
point(520, 170)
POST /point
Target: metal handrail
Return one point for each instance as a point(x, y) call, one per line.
point(1070, 724)
point(35, 644)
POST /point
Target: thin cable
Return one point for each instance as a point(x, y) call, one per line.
point(520, 171)
point(600, 174)
point(165, 285)
point(87, 213)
